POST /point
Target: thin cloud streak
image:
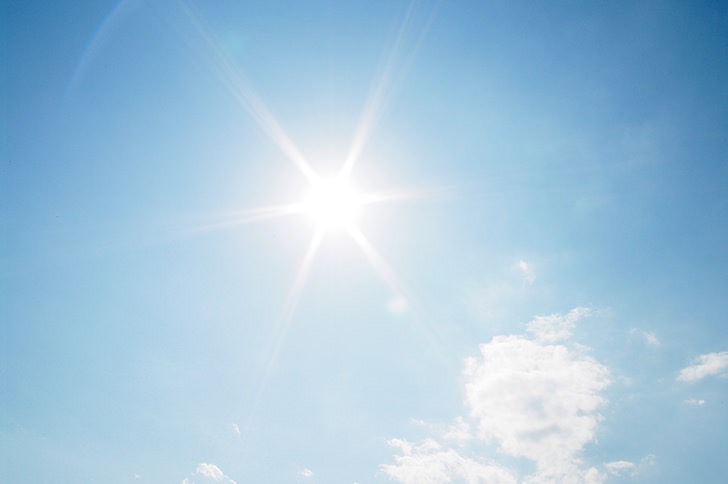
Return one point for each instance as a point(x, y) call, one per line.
point(209, 472)
point(247, 216)
point(709, 364)
point(695, 402)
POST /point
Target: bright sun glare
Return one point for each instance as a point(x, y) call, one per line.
point(332, 203)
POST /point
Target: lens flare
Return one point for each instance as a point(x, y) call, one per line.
point(333, 203)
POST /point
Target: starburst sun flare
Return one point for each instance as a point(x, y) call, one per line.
point(333, 203)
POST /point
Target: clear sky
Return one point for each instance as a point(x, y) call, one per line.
point(363, 242)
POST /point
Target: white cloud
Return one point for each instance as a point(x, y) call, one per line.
point(525, 270)
point(429, 463)
point(695, 402)
point(650, 338)
point(648, 461)
point(206, 473)
point(305, 473)
point(459, 432)
point(530, 399)
point(235, 428)
point(620, 467)
point(556, 327)
point(573, 474)
point(210, 470)
point(625, 468)
point(536, 401)
point(709, 364)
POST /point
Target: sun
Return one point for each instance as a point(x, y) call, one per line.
point(333, 203)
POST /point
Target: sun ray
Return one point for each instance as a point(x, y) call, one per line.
point(297, 287)
point(375, 103)
point(284, 322)
point(241, 90)
point(250, 215)
point(377, 261)
point(402, 194)
point(389, 277)
point(331, 204)
point(382, 90)
point(230, 220)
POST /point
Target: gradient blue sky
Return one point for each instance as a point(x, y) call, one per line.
point(559, 311)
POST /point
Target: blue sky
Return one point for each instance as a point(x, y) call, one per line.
point(537, 295)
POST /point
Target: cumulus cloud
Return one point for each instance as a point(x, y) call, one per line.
point(530, 399)
point(429, 463)
point(208, 473)
point(306, 473)
point(709, 364)
point(536, 401)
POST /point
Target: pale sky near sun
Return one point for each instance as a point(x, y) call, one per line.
point(363, 242)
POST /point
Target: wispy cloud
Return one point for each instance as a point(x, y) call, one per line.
point(531, 398)
point(235, 428)
point(556, 327)
point(695, 402)
point(625, 468)
point(650, 338)
point(620, 467)
point(709, 364)
point(206, 473)
point(525, 270)
point(459, 432)
point(306, 473)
